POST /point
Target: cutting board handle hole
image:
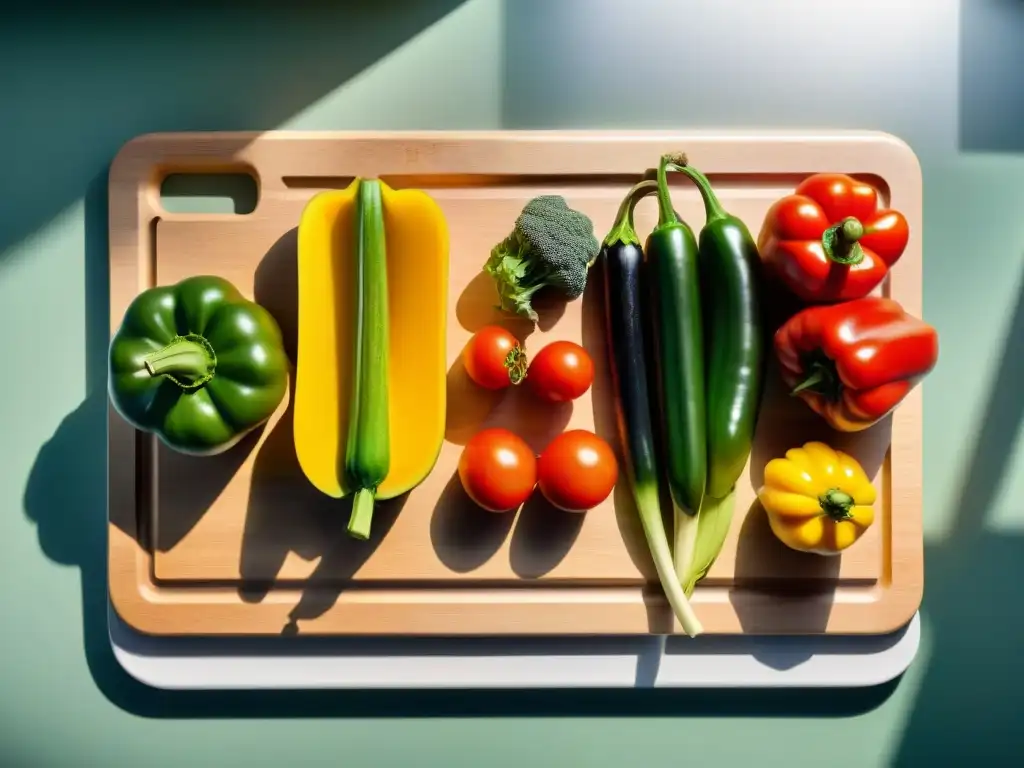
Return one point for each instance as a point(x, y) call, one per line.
point(209, 193)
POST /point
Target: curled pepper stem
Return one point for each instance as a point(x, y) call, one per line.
point(836, 503)
point(622, 231)
point(666, 212)
point(840, 241)
point(713, 209)
point(189, 361)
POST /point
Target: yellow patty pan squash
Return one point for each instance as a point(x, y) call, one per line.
point(818, 499)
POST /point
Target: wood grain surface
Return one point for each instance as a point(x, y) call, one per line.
point(243, 544)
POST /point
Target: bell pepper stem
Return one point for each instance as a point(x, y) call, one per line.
point(822, 378)
point(836, 503)
point(810, 382)
point(189, 361)
point(362, 514)
point(841, 241)
point(622, 231)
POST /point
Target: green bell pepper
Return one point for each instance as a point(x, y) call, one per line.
point(198, 365)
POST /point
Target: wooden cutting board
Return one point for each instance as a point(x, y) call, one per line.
point(243, 544)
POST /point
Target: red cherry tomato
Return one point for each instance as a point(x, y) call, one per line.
point(494, 358)
point(577, 471)
point(498, 470)
point(560, 372)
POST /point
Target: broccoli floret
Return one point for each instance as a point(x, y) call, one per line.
point(551, 246)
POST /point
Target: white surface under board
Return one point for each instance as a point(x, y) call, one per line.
point(705, 662)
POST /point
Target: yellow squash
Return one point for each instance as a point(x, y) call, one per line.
point(818, 499)
point(416, 241)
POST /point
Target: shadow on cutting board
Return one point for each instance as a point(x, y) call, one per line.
point(286, 513)
point(465, 536)
point(477, 306)
point(758, 551)
point(512, 408)
point(787, 422)
point(183, 505)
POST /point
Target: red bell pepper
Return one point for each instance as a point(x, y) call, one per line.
point(854, 362)
point(829, 241)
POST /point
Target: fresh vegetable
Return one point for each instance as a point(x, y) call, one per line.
point(621, 264)
point(498, 470)
point(562, 371)
point(818, 499)
point(677, 343)
point(493, 358)
point(355, 413)
point(577, 471)
point(854, 362)
point(367, 450)
point(829, 240)
point(197, 364)
point(551, 246)
point(734, 335)
point(728, 266)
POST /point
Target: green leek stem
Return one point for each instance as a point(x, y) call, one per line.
point(654, 529)
point(685, 542)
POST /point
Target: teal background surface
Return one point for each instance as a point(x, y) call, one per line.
point(74, 86)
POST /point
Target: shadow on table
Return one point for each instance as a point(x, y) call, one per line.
point(991, 102)
point(89, 81)
point(971, 694)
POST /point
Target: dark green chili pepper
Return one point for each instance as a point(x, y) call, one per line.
point(671, 254)
point(729, 268)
